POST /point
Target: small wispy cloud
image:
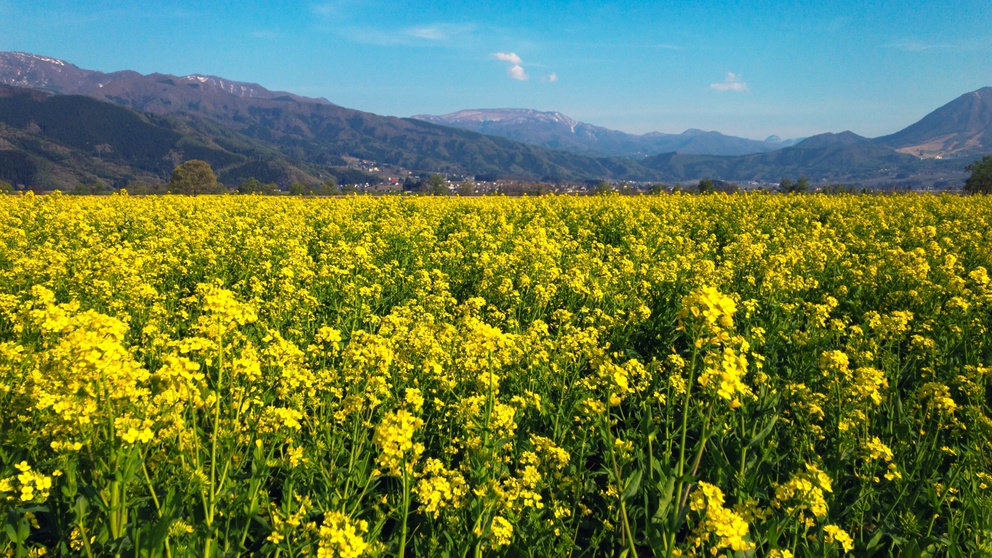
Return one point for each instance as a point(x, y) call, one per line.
point(328, 9)
point(510, 57)
point(439, 31)
point(428, 33)
point(517, 72)
point(919, 46)
point(516, 69)
point(333, 8)
point(438, 34)
point(265, 35)
point(732, 82)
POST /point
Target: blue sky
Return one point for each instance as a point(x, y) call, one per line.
point(748, 68)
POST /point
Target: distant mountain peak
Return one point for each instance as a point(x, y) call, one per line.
point(240, 88)
point(558, 131)
point(27, 55)
point(21, 69)
point(961, 128)
point(829, 139)
point(499, 115)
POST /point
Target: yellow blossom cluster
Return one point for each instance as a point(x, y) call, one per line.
point(804, 492)
point(340, 537)
point(714, 312)
point(835, 534)
point(394, 436)
point(27, 486)
point(719, 528)
point(439, 488)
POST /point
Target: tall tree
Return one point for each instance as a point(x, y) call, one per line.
point(466, 188)
point(980, 181)
point(437, 185)
point(250, 186)
point(192, 178)
point(328, 188)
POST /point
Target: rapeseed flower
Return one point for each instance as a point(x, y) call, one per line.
point(341, 537)
point(719, 528)
point(836, 534)
point(394, 436)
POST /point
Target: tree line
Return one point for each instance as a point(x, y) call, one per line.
point(196, 177)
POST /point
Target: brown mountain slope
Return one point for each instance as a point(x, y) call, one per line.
point(960, 128)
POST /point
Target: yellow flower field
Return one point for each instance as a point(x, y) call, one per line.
point(751, 375)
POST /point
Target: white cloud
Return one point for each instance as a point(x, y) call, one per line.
point(732, 82)
point(439, 31)
point(516, 69)
point(510, 57)
point(517, 72)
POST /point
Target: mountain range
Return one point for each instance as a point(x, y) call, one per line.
point(51, 141)
point(60, 123)
point(557, 131)
point(961, 128)
point(312, 131)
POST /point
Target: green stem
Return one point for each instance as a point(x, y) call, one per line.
point(685, 412)
point(685, 428)
point(158, 505)
point(82, 530)
point(699, 454)
point(365, 489)
point(743, 464)
point(627, 534)
point(406, 511)
point(575, 506)
point(210, 510)
point(647, 520)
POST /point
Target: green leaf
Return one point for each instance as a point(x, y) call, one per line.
point(11, 532)
point(760, 436)
point(667, 490)
point(632, 485)
point(874, 542)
